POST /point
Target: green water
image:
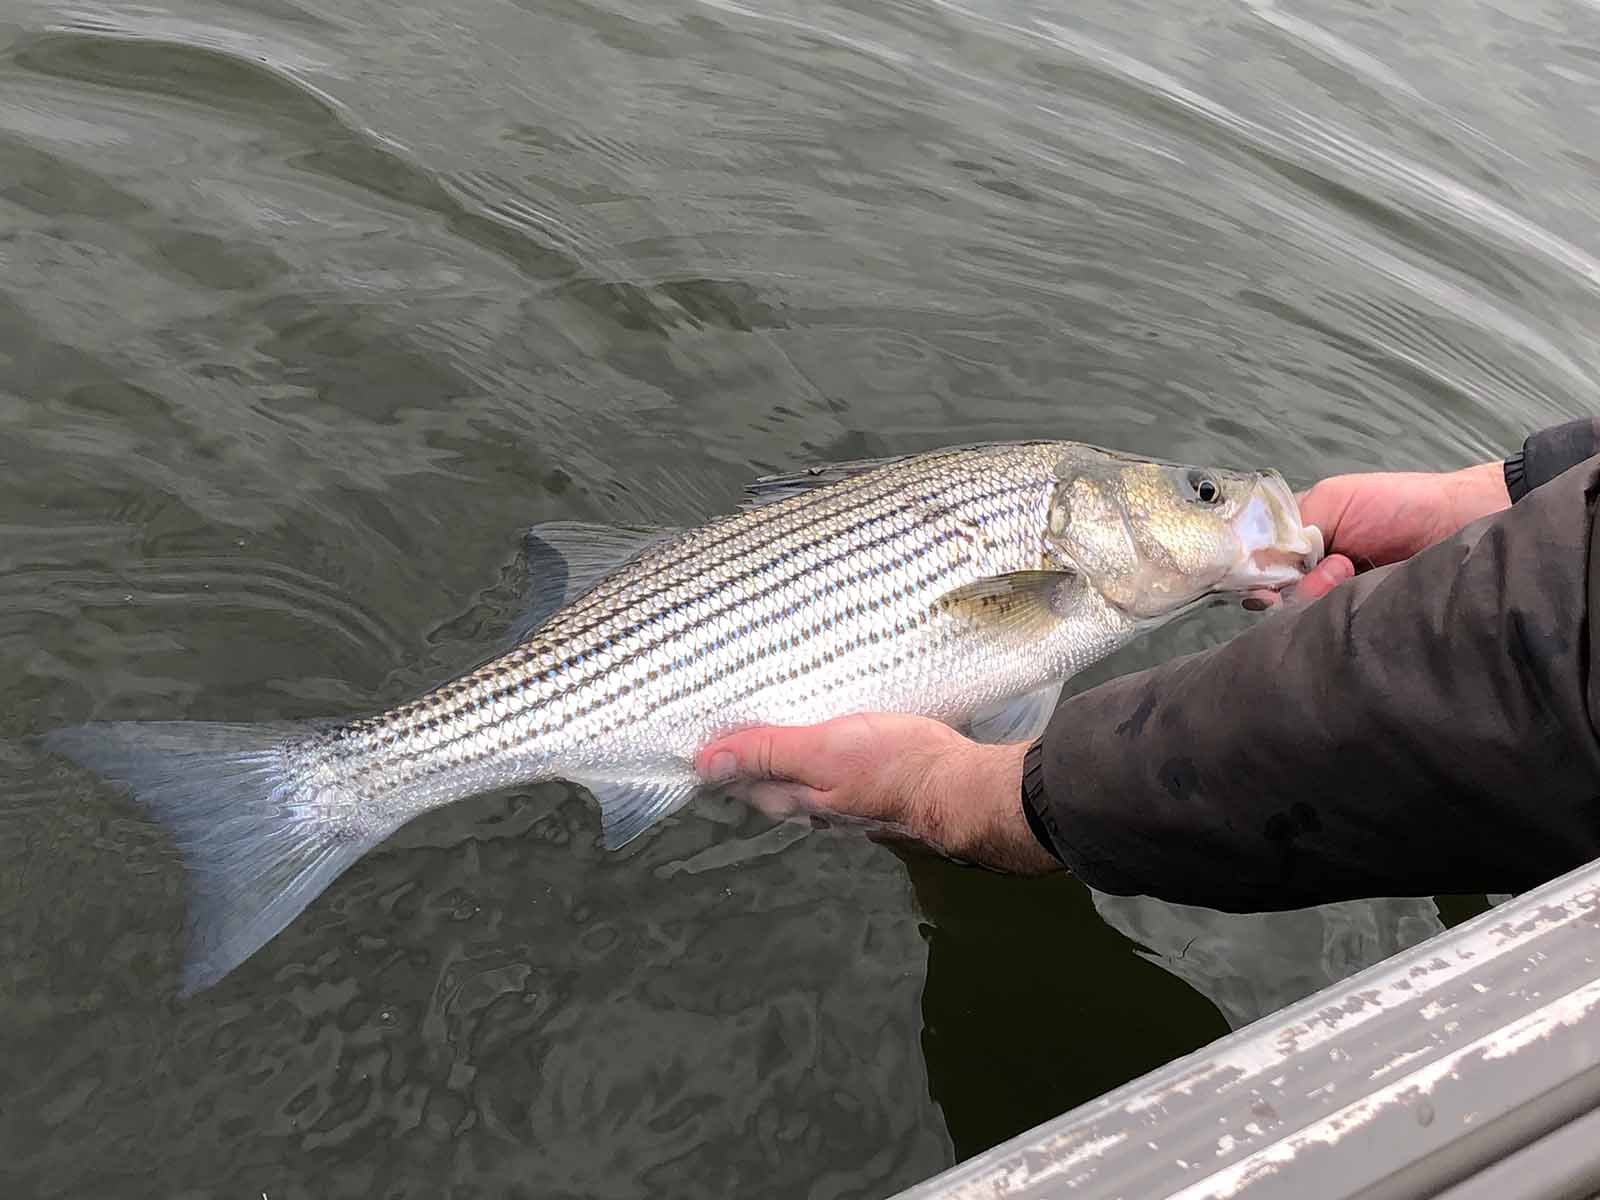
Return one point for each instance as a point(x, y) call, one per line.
point(308, 307)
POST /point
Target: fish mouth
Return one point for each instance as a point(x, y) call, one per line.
point(1273, 570)
point(1276, 547)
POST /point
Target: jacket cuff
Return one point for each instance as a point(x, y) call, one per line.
point(1033, 806)
point(1516, 472)
point(1549, 453)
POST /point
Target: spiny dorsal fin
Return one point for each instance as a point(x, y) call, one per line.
point(1025, 604)
point(769, 489)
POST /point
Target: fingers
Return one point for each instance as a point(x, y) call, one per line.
point(880, 767)
point(771, 752)
point(911, 774)
point(778, 800)
point(1324, 577)
point(1319, 581)
point(810, 755)
point(1386, 517)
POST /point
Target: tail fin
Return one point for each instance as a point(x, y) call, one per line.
point(257, 836)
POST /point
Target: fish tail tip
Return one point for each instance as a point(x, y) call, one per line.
point(257, 836)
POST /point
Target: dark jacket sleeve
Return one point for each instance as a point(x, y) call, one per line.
point(1549, 453)
point(1425, 728)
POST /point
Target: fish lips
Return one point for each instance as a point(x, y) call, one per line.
point(1275, 548)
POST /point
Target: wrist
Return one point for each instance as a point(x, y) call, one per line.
point(980, 815)
point(1478, 491)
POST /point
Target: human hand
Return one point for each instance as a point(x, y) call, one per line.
point(1371, 520)
point(911, 773)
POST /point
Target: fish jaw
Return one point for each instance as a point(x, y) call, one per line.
point(1276, 548)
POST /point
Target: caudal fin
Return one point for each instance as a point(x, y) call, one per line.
point(260, 842)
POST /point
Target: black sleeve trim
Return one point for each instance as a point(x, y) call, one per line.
point(1033, 797)
point(1516, 476)
point(1554, 451)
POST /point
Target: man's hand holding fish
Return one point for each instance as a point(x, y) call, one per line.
point(1420, 678)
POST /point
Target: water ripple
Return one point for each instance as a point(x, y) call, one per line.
point(309, 307)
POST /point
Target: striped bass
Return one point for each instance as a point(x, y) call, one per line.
point(964, 585)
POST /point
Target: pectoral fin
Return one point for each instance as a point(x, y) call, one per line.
point(1024, 604)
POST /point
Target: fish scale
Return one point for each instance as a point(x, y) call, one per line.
point(707, 614)
point(961, 584)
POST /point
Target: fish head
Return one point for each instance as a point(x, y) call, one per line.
point(1153, 538)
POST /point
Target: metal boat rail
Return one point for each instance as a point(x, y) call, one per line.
point(1467, 1066)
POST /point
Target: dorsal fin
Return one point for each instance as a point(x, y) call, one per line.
point(567, 558)
point(769, 489)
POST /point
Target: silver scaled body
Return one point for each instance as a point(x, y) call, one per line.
point(819, 604)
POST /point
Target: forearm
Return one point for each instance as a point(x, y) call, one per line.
point(1424, 728)
point(979, 814)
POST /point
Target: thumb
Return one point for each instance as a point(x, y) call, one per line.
point(791, 753)
point(1324, 577)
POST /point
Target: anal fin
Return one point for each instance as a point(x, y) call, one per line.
point(629, 806)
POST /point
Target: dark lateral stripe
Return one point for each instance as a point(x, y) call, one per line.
point(770, 528)
point(810, 638)
point(774, 527)
point(736, 597)
point(806, 669)
point(436, 722)
point(793, 535)
point(600, 610)
point(796, 570)
point(458, 701)
point(603, 610)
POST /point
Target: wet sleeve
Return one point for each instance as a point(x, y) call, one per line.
point(1549, 453)
point(1425, 728)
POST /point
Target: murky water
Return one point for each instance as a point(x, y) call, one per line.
point(308, 307)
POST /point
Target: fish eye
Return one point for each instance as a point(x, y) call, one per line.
point(1206, 489)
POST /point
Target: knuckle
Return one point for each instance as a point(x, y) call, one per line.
point(762, 757)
